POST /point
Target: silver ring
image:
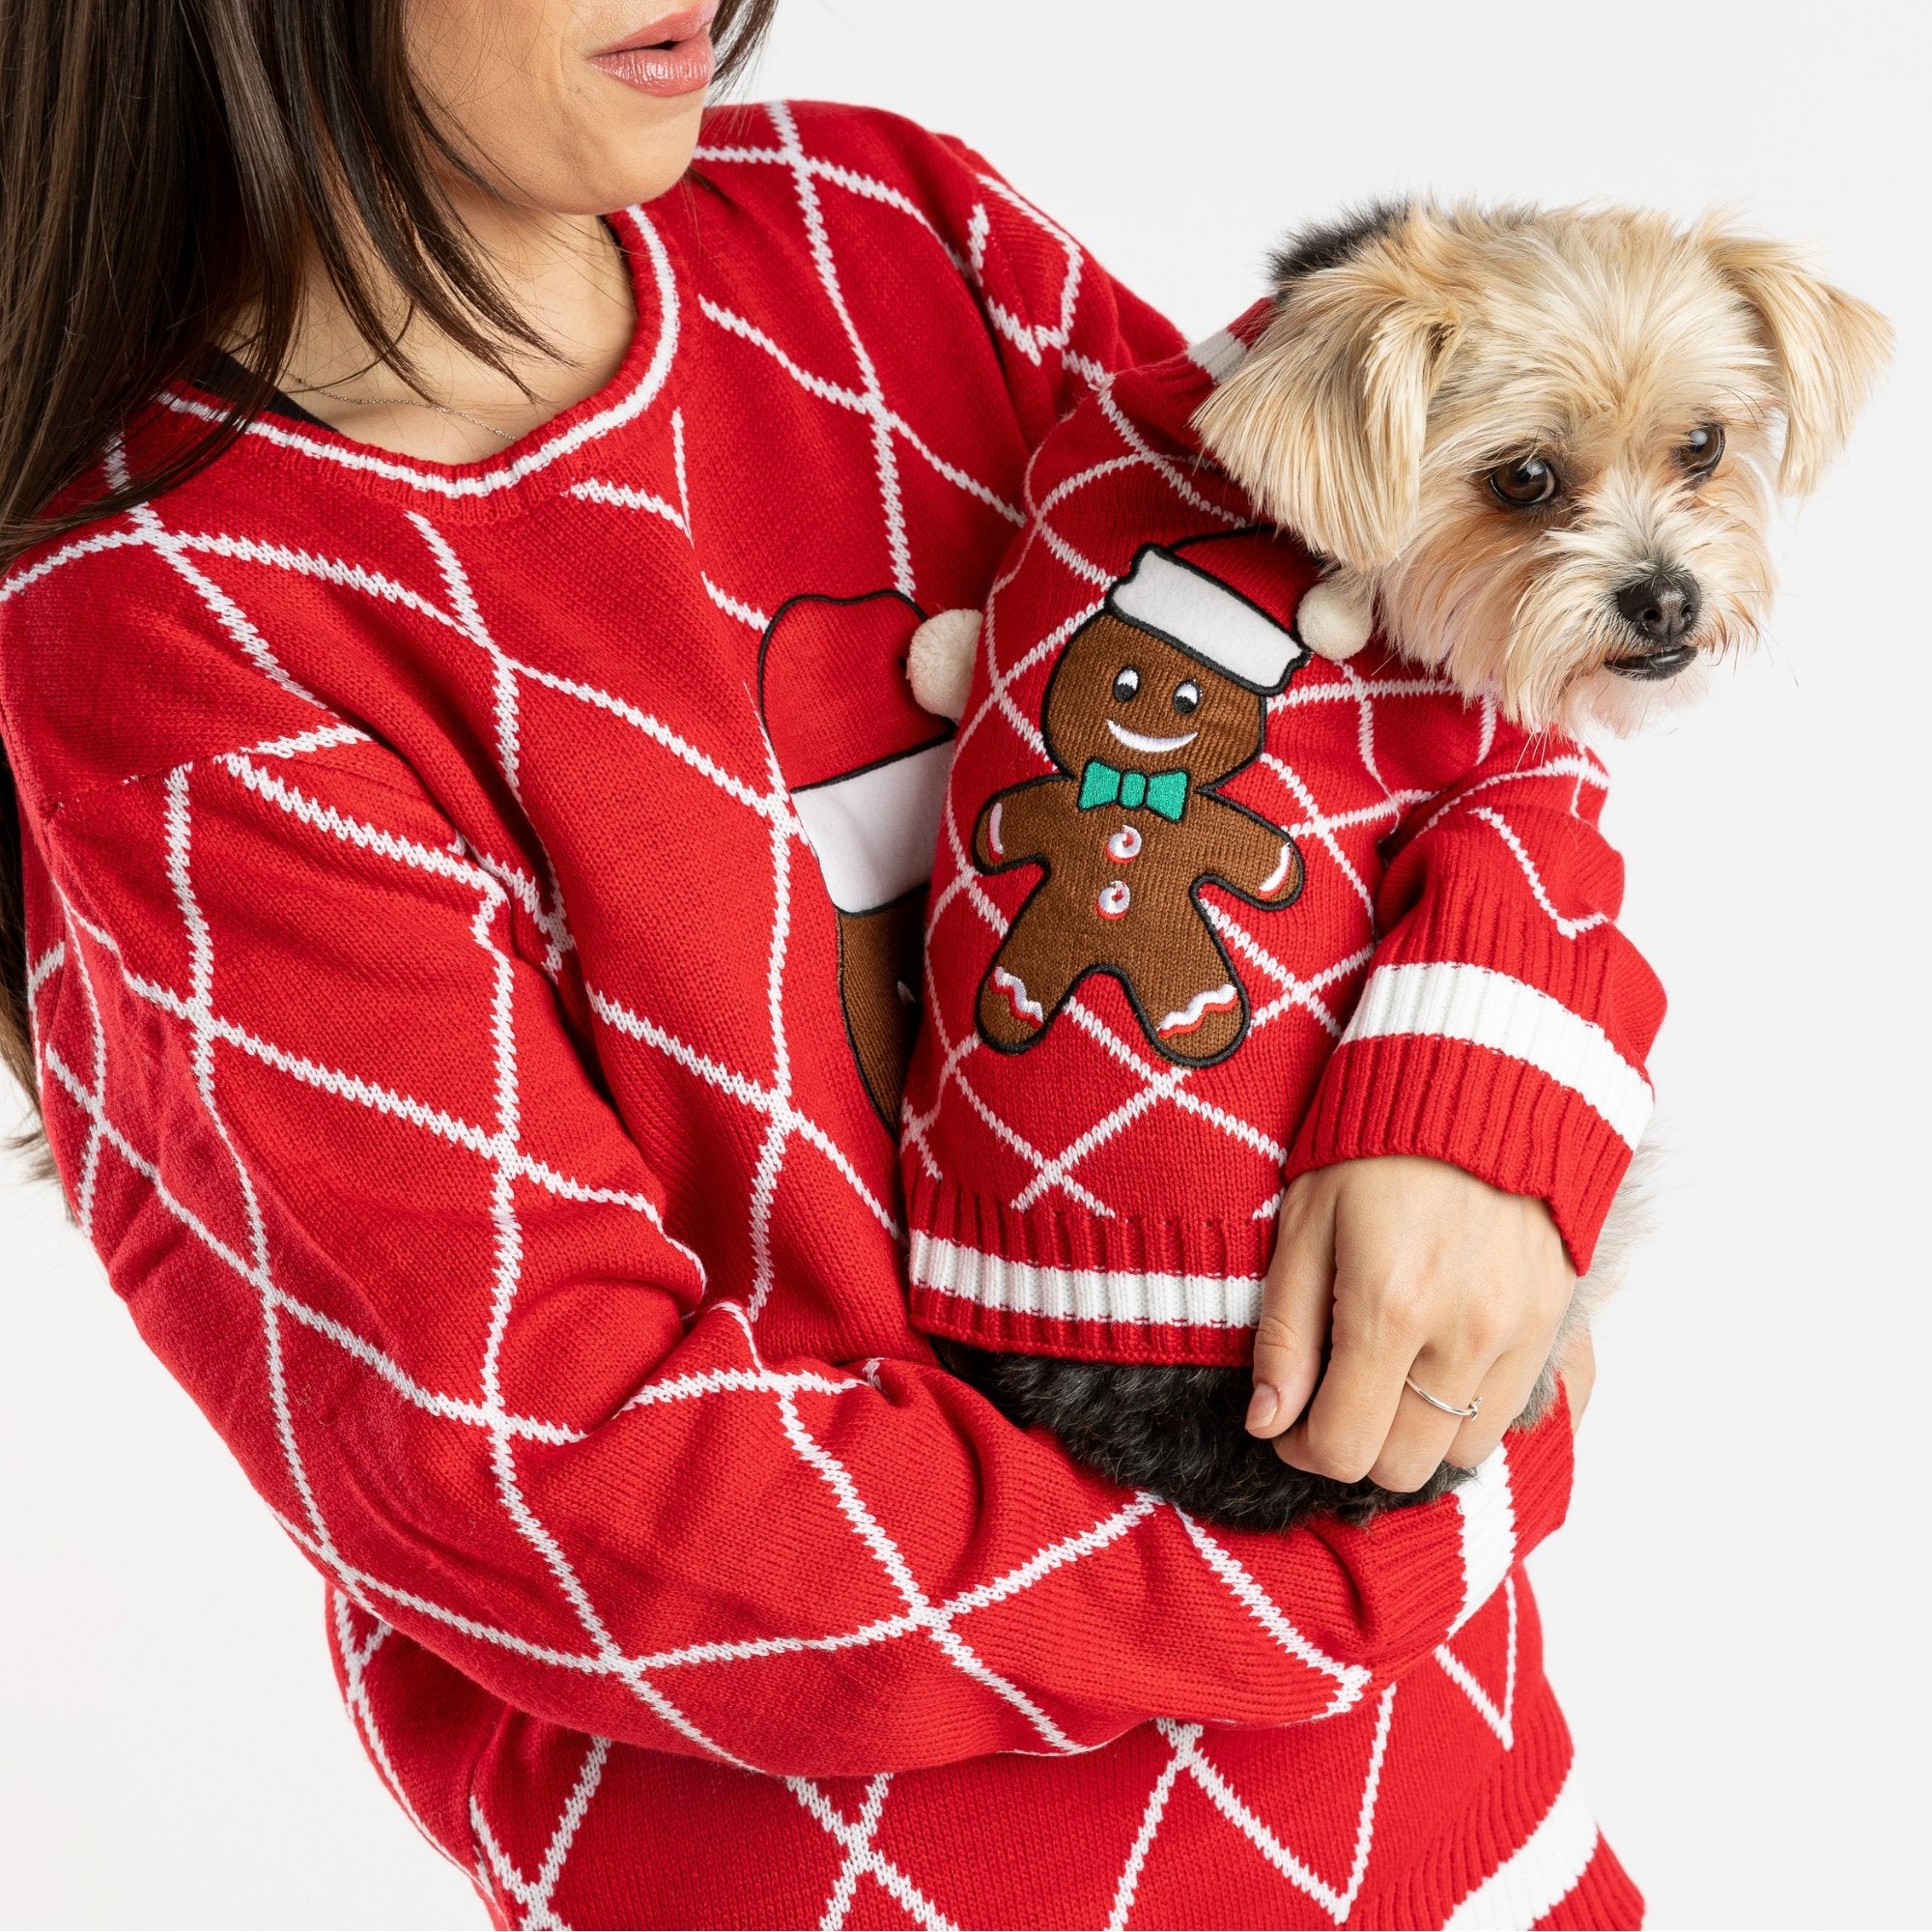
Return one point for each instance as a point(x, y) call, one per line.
point(1447, 1407)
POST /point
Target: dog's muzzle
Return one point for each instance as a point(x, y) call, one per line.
point(1662, 610)
point(1653, 667)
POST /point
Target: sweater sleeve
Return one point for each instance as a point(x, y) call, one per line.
point(1062, 322)
point(1506, 1020)
point(644, 1520)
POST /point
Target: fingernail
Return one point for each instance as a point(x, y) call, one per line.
point(1263, 1405)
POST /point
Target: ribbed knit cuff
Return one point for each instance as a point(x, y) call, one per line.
point(1044, 1281)
point(1481, 1040)
point(1498, 1117)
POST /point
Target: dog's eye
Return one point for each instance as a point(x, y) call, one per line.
point(1127, 686)
point(1186, 697)
point(1703, 449)
point(1524, 482)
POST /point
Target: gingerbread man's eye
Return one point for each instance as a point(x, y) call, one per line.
point(1127, 686)
point(1186, 697)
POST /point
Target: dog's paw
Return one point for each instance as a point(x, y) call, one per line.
point(939, 666)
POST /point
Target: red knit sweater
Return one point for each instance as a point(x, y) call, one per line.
point(1207, 907)
point(440, 1019)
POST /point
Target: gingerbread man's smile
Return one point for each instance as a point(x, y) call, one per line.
point(1139, 740)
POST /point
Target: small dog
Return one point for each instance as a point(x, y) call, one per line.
point(1539, 451)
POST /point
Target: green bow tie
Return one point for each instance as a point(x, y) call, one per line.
point(1103, 783)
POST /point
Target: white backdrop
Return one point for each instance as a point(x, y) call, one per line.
point(1737, 1611)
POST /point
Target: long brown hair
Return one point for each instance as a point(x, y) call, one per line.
point(164, 165)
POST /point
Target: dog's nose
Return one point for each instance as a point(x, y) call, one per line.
point(1661, 608)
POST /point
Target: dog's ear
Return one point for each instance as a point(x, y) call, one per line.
point(1830, 348)
point(1324, 422)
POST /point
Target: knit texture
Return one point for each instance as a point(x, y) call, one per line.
point(454, 1045)
point(1208, 908)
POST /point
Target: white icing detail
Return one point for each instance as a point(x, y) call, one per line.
point(1489, 1009)
point(1138, 741)
point(993, 818)
point(1018, 998)
point(1166, 594)
point(1125, 847)
point(1217, 1000)
point(1540, 1874)
point(875, 832)
point(1084, 1295)
point(1273, 883)
point(1114, 899)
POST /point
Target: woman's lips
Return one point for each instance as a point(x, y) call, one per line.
point(672, 56)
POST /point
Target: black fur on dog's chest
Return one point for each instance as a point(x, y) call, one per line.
point(1176, 1431)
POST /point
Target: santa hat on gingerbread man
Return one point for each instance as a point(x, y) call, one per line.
point(1249, 603)
point(866, 771)
point(866, 767)
point(1229, 600)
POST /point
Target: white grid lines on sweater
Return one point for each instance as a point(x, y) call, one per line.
point(856, 1840)
point(885, 449)
point(1161, 1083)
point(504, 1152)
point(1180, 1737)
point(866, 187)
point(923, 1617)
point(535, 1894)
point(1172, 1084)
point(356, 1660)
point(858, 1850)
point(1579, 765)
point(500, 1147)
point(1500, 1717)
point(868, 402)
point(94, 1099)
point(1570, 928)
point(506, 1164)
point(1350, 1679)
point(1188, 1758)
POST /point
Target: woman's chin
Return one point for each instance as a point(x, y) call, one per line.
point(621, 158)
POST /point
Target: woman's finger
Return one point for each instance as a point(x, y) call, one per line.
point(1293, 1326)
point(1421, 1435)
point(1506, 1391)
point(1347, 1424)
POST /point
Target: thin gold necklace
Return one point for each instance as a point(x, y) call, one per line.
point(407, 402)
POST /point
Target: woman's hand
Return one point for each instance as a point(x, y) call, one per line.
point(1404, 1267)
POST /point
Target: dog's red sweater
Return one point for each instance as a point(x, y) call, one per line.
point(1208, 908)
point(439, 1013)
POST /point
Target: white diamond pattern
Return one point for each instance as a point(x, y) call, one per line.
point(272, 773)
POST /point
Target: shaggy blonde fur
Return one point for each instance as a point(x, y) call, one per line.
point(1447, 342)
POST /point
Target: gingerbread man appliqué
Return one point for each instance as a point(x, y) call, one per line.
point(1156, 700)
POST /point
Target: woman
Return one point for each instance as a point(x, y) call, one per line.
point(456, 499)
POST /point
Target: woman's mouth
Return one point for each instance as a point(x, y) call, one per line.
point(672, 56)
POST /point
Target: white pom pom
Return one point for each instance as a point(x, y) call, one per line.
point(939, 666)
point(1334, 623)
